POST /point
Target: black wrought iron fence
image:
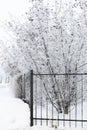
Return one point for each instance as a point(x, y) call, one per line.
point(58, 99)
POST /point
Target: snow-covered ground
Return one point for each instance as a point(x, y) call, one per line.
point(15, 114)
point(50, 128)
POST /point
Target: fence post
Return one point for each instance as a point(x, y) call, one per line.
point(31, 98)
point(23, 87)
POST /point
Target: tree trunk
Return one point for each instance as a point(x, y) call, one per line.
point(66, 109)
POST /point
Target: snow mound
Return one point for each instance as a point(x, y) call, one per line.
point(50, 128)
point(42, 128)
point(14, 114)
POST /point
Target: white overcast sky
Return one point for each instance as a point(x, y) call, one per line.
point(14, 7)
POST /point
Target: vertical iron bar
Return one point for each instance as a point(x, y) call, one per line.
point(82, 102)
point(58, 118)
point(24, 86)
point(47, 103)
point(47, 110)
point(64, 105)
point(76, 104)
point(41, 98)
point(52, 109)
point(63, 115)
point(69, 105)
point(36, 100)
point(52, 114)
point(31, 98)
point(58, 99)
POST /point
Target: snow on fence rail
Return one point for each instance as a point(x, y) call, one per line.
point(58, 99)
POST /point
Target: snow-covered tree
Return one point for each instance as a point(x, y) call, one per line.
point(53, 40)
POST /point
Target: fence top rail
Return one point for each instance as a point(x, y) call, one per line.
point(62, 74)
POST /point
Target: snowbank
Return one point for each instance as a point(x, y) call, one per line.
point(49, 128)
point(14, 114)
